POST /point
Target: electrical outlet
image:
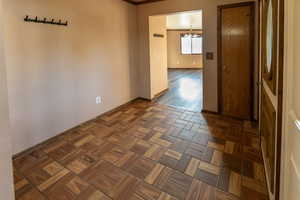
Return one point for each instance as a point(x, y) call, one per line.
point(98, 100)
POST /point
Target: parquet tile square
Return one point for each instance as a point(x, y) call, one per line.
point(154, 173)
point(148, 192)
point(235, 185)
point(53, 168)
point(69, 187)
point(194, 191)
point(139, 134)
point(209, 168)
point(98, 151)
point(29, 192)
point(206, 177)
point(77, 166)
point(165, 196)
point(186, 134)
point(146, 151)
point(126, 189)
point(20, 184)
point(217, 158)
point(195, 150)
point(104, 176)
point(173, 154)
point(248, 194)
point(192, 167)
point(223, 182)
point(232, 162)
point(141, 167)
point(201, 138)
point(176, 184)
point(182, 164)
point(41, 173)
point(179, 145)
point(85, 139)
point(92, 194)
point(62, 152)
point(114, 155)
point(135, 197)
point(141, 147)
point(26, 162)
point(207, 192)
point(155, 152)
point(168, 161)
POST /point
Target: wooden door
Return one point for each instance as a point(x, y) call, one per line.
point(236, 60)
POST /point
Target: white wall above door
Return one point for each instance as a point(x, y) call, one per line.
point(185, 20)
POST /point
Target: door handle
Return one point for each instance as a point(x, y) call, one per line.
point(225, 69)
point(258, 83)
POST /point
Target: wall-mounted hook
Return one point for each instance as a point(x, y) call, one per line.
point(45, 21)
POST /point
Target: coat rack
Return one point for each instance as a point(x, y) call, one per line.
point(45, 21)
point(158, 35)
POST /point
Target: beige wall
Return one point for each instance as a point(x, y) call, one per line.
point(6, 182)
point(55, 73)
point(290, 159)
point(209, 9)
point(158, 54)
point(178, 60)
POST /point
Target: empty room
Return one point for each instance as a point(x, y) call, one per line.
point(181, 43)
point(149, 100)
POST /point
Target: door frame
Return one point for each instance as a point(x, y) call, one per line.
point(280, 98)
point(252, 52)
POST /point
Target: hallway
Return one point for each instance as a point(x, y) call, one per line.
point(185, 89)
point(146, 151)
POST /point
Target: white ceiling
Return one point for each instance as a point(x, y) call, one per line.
point(185, 20)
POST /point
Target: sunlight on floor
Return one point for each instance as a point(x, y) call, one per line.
point(188, 89)
point(185, 89)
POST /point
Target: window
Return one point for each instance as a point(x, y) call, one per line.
point(191, 43)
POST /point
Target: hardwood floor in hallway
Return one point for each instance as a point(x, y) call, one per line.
point(185, 89)
point(146, 151)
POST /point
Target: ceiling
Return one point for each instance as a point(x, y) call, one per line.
point(185, 20)
point(137, 2)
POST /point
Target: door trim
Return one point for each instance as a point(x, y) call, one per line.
point(252, 52)
point(279, 98)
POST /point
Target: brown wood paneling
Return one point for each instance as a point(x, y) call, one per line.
point(268, 124)
point(236, 59)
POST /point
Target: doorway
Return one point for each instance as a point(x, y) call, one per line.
point(185, 89)
point(236, 60)
point(183, 62)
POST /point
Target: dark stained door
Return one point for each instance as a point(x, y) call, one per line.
point(236, 64)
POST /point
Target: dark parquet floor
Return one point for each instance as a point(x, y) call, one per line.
point(185, 89)
point(146, 151)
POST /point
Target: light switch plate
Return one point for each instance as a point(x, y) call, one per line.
point(98, 100)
